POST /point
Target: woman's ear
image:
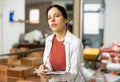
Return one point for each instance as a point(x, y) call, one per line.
point(66, 20)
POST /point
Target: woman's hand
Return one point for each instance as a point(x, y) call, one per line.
point(43, 69)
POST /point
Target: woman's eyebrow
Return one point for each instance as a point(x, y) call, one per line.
point(54, 14)
point(57, 13)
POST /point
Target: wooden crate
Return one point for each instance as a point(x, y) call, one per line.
point(20, 71)
point(3, 73)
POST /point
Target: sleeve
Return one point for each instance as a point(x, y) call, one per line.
point(76, 59)
point(46, 55)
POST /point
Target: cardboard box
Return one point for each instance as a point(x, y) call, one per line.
point(4, 60)
point(16, 62)
point(20, 71)
point(91, 53)
point(23, 48)
point(31, 61)
point(36, 54)
point(13, 79)
point(14, 50)
point(3, 73)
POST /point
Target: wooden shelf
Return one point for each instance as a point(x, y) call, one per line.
point(26, 21)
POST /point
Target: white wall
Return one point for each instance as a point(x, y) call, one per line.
point(112, 21)
point(12, 30)
point(1, 9)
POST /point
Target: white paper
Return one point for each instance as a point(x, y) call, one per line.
point(51, 72)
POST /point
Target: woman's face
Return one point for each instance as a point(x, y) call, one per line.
point(56, 20)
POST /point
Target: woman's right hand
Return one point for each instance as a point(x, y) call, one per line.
point(43, 69)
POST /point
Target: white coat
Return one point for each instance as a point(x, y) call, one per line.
point(74, 58)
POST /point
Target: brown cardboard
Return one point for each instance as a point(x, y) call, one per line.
point(36, 54)
point(3, 73)
point(13, 79)
point(31, 61)
point(20, 71)
point(4, 60)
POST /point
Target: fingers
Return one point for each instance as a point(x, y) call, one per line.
point(42, 68)
point(45, 70)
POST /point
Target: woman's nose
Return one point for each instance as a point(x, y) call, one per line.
point(52, 19)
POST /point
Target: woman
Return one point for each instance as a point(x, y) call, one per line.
point(63, 51)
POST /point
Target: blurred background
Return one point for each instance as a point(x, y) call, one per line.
point(24, 28)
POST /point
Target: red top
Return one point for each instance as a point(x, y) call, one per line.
point(57, 55)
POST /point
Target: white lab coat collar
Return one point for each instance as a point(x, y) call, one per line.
point(67, 37)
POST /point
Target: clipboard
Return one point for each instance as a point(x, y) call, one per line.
point(51, 72)
point(55, 72)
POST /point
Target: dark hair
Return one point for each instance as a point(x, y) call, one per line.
point(60, 8)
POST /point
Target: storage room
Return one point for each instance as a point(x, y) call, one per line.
point(59, 41)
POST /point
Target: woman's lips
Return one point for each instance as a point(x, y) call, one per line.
point(54, 25)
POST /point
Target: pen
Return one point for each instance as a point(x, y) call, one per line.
point(44, 65)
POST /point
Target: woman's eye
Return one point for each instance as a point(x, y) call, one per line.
point(56, 15)
point(49, 18)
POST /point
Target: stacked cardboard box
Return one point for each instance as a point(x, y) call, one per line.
point(36, 54)
point(31, 61)
point(20, 71)
point(3, 73)
point(21, 66)
point(14, 50)
point(14, 59)
point(4, 60)
point(18, 56)
point(13, 79)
